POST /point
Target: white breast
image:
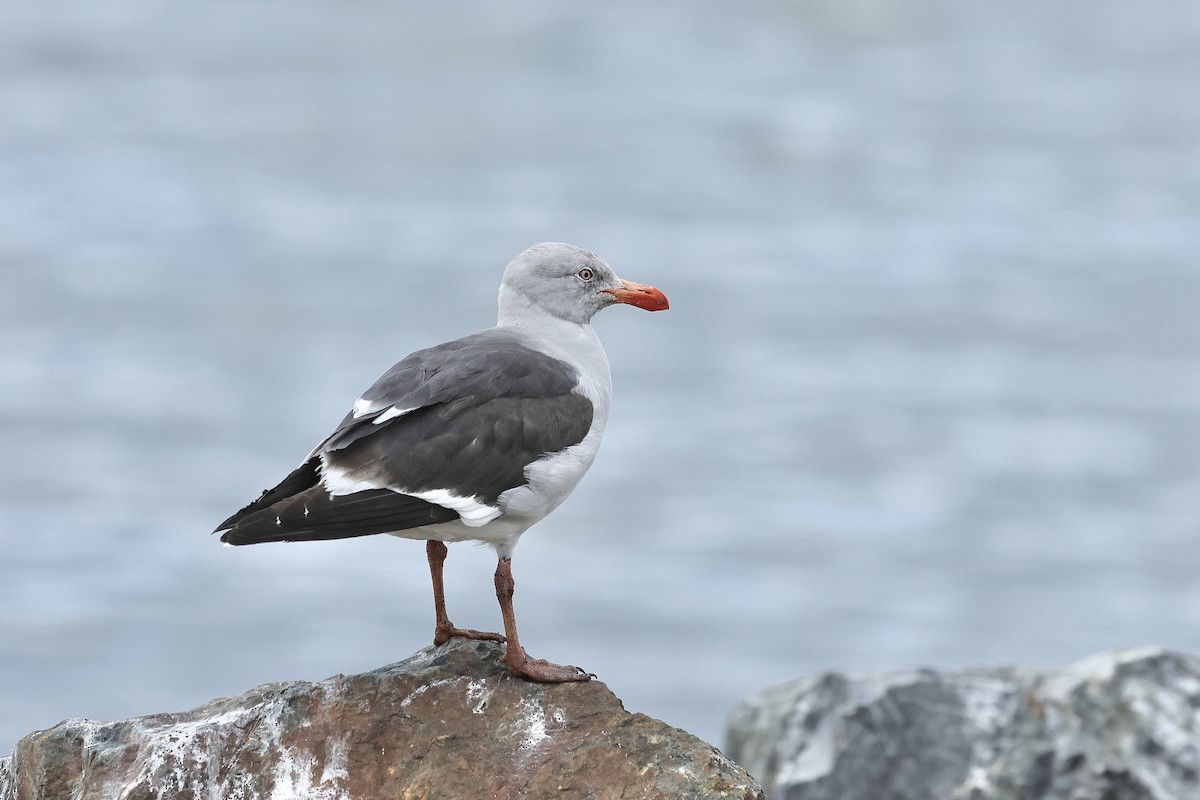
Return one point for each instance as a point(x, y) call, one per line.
point(550, 480)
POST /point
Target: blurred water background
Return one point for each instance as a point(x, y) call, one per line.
point(928, 394)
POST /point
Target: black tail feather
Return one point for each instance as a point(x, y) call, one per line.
point(301, 478)
point(314, 514)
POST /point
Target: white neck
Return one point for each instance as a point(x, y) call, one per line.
point(576, 342)
point(518, 311)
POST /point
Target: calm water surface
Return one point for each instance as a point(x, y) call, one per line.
point(928, 394)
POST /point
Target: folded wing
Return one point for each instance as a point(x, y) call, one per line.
point(437, 438)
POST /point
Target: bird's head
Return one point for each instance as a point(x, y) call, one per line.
point(570, 283)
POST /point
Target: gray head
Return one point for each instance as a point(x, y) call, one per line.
point(569, 283)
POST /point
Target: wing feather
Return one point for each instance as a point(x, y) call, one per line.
point(464, 418)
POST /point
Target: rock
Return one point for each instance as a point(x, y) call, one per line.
point(1123, 725)
point(449, 722)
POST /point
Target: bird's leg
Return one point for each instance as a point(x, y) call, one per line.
point(444, 629)
point(514, 655)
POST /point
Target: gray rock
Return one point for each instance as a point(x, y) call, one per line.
point(449, 722)
point(1123, 725)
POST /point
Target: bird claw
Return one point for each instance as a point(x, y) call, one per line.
point(543, 671)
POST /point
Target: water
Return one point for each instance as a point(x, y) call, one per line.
point(929, 391)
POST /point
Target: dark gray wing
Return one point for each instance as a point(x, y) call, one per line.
point(465, 417)
point(494, 362)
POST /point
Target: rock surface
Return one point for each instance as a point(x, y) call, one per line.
point(1118, 726)
point(448, 722)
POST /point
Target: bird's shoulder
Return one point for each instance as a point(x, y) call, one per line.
point(492, 365)
point(498, 362)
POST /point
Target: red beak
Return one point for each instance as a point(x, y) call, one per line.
point(636, 294)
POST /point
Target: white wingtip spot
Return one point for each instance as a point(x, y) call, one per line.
point(361, 406)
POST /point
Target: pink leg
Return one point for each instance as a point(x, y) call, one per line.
point(444, 629)
point(514, 655)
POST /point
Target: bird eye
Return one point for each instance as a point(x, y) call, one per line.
point(585, 274)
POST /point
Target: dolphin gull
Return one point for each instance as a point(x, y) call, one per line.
point(476, 439)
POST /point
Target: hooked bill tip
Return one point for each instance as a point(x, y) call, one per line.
point(640, 295)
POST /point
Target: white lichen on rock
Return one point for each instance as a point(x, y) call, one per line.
point(405, 730)
point(1116, 725)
